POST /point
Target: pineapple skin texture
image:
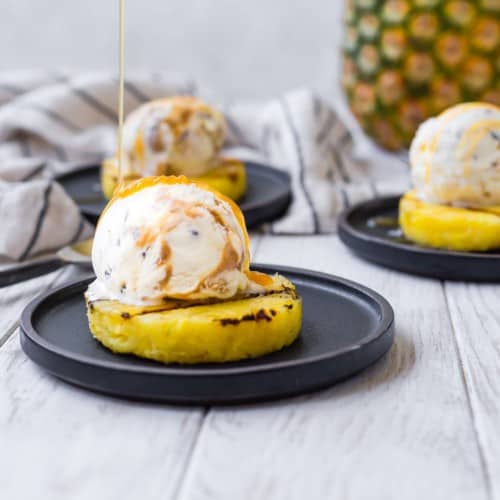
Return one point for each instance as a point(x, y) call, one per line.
point(407, 60)
point(228, 177)
point(452, 228)
point(214, 333)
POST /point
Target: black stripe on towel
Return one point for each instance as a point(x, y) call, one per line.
point(345, 138)
point(39, 222)
point(236, 133)
point(60, 152)
point(78, 232)
point(95, 104)
point(326, 128)
point(137, 93)
point(24, 145)
point(13, 89)
point(74, 239)
point(339, 162)
point(53, 116)
point(345, 198)
point(34, 172)
point(302, 171)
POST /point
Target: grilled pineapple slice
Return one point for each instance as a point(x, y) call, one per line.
point(448, 227)
point(228, 177)
point(185, 333)
point(109, 177)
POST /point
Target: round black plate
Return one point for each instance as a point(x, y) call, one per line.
point(367, 229)
point(346, 327)
point(267, 198)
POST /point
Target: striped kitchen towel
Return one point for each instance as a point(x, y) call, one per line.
point(50, 120)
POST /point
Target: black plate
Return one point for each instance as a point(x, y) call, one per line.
point(267, 198)
point(367, 229)
point(346, 328)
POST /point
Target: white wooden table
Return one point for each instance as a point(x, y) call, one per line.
point(421, 424)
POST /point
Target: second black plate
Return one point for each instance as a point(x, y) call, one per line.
point(267, 198)
point(371, 230)
point(346, 327)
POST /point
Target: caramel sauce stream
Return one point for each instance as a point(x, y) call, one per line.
point(121, 50)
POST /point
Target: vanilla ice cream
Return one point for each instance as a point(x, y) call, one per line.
point(167, 238)
point(177, 135)
point(455, 157)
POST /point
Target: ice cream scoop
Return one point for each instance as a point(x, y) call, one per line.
point(176, 135)
point(455, 157)
point(168, 238)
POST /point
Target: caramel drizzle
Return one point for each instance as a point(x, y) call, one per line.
point(121, 50)
point(229, 259)
point(146, 182)
point(474, 134)
point(445, 118)
point(182, 110)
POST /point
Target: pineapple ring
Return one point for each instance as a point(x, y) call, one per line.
point(448, 227)
point(228, 177)
point(203, 333)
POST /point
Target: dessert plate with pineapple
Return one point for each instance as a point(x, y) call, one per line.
point(181, 135)
point(175, 313)
point(448, 225)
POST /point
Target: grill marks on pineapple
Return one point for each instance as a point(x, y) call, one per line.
point(260, 315)
point(233, 174)
point(485, 211)
point(169, 304)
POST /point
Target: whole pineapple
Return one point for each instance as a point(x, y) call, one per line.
point(406, 60)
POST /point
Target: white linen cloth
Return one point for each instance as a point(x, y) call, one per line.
point(48, 120)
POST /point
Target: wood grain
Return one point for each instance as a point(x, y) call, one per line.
point(77, 444)
point(402, 430)
point(476, 322)
point(64, 442)
point(15, 297)
point(58, 441)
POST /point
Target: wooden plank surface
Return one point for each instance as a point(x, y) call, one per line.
point(15, 297)
point(402, 430)
point(76, 444)
point(476, 320)
point(405, 429)
point(59, 442)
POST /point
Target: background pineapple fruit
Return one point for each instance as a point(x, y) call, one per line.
point(407, 60)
